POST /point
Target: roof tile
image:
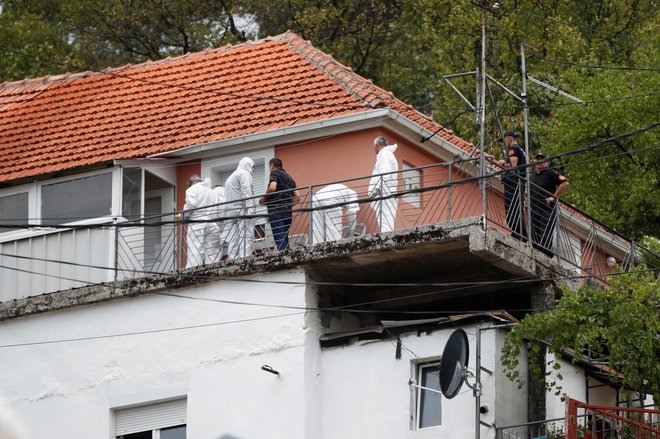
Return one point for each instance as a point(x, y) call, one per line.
point(56, 123)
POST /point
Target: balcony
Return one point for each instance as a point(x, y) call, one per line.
point(48, 259)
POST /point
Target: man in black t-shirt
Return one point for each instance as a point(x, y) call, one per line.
point(546, 186)
point(280, 197)
point(513, 180)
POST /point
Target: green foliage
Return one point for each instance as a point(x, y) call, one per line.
point(619, 327)
point(55, 36)
point(407, 47)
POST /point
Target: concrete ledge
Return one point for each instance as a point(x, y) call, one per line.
point(491, 245)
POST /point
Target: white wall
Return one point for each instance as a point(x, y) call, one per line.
point(574, 384)
point(65, 390)
point(365, 390)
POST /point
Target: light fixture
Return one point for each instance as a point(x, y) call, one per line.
point(610, 261)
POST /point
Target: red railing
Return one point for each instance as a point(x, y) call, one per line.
point(588, 421)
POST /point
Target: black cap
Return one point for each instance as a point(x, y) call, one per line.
point(540, 155)
point(509, 134)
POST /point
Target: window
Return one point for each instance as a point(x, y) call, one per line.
point(13, 210)
point(75, 200)
point(412, 179)
point(162, 420)
point(428, 408)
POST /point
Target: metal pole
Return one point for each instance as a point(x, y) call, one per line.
point(523, 95)
point(477, 392)
point(114, 222)
point(311, 216)
point(482, 119)
point(449, 194)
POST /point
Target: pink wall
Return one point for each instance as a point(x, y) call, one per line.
point(352, 155)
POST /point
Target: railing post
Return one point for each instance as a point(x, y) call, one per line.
point(380, 205)
point(116, 262)
point(571, 419)
point(179, 249)
point(310, 205)
point(449, 193)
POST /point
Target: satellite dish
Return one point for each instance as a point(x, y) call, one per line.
point(453, 365)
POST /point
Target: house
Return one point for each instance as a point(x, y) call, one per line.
point(104, 333)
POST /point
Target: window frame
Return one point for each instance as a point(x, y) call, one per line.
point(51, 182)
point(17, 191)
point(170, 408)
point(417, 369)
point(414, 199)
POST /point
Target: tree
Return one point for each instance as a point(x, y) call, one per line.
point(407, 47)
point(619, 326)
point(53, 36)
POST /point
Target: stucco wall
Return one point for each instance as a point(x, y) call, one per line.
point(366, 394)
point(65, 390)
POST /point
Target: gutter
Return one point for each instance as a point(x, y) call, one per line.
point(340, 124)
point(383, 117)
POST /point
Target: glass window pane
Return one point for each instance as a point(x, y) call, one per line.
point(13, 210)
point(131, 190)
point(412, 179)
point(178, 432)
point(429, 402)
point(74, 200)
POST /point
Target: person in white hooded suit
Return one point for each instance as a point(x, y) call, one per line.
point(198, 195)
point(240, 202)
point(329, 205)
point(384, 185)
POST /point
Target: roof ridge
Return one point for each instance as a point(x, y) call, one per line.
point(360, 87)
point(356, 85)
point(71, 76)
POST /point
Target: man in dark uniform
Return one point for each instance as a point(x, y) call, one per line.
point(280, 197)
point(545, 188)
point(513, 180)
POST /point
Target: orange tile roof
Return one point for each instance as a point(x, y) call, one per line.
point(56, 123)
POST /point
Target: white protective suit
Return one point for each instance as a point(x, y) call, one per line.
point(198, 195)
point(214, 245)
point(238, 188)
point(327, 222)
point(384, 185)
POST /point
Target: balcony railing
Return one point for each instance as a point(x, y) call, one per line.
point(118, 248)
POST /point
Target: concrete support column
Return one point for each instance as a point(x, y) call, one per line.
point(542, 297)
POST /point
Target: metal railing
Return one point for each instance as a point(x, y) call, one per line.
point(596, 421)
point(320, 213)
point(546, 429)
point(364, 205)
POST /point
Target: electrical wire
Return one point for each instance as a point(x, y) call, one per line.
point(179, 275)
point(228, 322)
point(589, 66)
point(589, 30)
point(525, 280)
point(137, 223)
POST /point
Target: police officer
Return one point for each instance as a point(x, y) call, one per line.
point(513, 180)
point(545, 188)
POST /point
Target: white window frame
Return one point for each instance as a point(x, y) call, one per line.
point(115, 194)
point(20, 190)
point(162, 414)
point(209, 166)
point(416, 372)
point(414, 199)
point(34, 202)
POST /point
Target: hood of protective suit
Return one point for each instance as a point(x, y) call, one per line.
point(245, 164)
point(390, 148)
